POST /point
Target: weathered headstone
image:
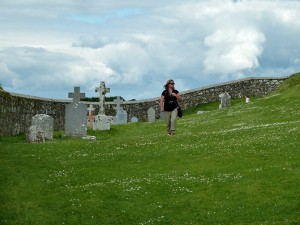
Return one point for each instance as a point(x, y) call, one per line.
point(134, 119)
point(75, 119)
point(43, 124)
point(151, 115)
point(102, 122)
point(225, 100)
point(121, 115)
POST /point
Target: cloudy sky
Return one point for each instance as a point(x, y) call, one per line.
point(48, 47)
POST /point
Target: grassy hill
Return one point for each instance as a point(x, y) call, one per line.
point(235, 166)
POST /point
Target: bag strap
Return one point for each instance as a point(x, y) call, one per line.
point(176, 102)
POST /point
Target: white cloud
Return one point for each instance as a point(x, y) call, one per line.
point(135, 46)
point(233, 50)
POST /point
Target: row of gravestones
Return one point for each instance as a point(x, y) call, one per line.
point(42, 127)
point(76, 118)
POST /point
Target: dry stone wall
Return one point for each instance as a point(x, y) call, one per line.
point(17, 110)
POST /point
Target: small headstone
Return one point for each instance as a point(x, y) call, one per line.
point(225, 100)
point(102, 122)
point(151, 115)
point(247, 99)
point(44, 124)
point(75, 118)
point(134, 119)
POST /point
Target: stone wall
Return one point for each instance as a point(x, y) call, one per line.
point(237, 89)
point(17, 110)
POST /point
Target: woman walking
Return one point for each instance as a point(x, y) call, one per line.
point(169, 97)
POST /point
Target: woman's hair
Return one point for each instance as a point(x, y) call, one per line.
point(169, 81)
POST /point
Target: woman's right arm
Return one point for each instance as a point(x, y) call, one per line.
point(161, 103)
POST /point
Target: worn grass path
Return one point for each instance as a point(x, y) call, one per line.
point(235, 166)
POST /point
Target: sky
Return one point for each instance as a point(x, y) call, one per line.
point(49, 47)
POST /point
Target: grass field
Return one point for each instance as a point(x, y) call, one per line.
point(235, 166)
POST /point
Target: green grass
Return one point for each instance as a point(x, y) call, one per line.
point(235, 166)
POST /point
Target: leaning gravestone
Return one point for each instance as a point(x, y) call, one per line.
point(151, 115)
point(75, 119)
point(44, 124)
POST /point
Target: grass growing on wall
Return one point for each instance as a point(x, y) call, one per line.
point(235, 166)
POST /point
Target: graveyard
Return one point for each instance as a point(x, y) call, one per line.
point(234, 165)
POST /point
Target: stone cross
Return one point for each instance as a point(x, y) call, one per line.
point(75, 115)
point(76, 95)
point(102, 90)
point(91, 116)
point(118, 101)
point(91, 109)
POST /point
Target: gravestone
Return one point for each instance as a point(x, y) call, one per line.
point(44, 124)
point(102, 122)
point(225, 100)
point(151, 115)
point(247, 99)
point(91, 116)
point(75, 119)
point(134, 119)
point(121, 115)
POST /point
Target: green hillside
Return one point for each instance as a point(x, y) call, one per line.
point(240, 165)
